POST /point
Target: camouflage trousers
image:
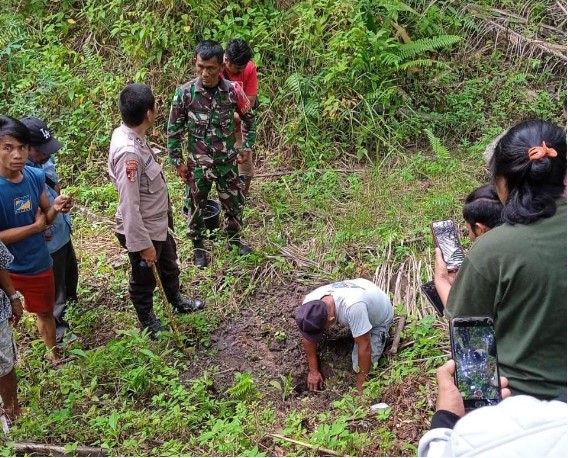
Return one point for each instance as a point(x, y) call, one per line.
point(230, 190)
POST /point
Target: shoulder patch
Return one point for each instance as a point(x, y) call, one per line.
point(132, 170)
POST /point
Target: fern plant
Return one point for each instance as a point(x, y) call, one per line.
point(436, 144)
point(244, 387)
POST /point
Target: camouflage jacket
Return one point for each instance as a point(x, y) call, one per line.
point(209, 119)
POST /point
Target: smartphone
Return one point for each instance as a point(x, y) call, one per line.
point(429, 290)
point(473, 346)
point(446, 238)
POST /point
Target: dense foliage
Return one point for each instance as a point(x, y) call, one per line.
point(338, 78)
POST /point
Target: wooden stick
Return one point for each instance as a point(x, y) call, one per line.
point(289, 172)
point(305, 444)
point(398, 332)
point(23, 448)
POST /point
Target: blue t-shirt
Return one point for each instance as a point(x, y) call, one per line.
point(18, 206)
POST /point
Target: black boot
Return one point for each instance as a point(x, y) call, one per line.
point(183, 305)
point(199, 254)
point(235, 242)
point(152, 325)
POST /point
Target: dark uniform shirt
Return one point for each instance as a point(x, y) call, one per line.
point(209, 118)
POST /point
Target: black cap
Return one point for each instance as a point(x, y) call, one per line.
point(40, 136)
point(312, 319)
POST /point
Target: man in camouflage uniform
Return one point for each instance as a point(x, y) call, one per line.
point(205, 106)
point(142, 218)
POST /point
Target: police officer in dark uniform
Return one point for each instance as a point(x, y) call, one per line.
point(143, 213)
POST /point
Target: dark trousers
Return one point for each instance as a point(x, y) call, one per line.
point(66, 275)
point(142, 282)
point(230, 189)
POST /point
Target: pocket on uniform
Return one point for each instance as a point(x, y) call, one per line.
point(197, 124)
point(154, 173)
point(226, 121)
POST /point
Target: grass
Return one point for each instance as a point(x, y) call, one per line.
point(134, 396)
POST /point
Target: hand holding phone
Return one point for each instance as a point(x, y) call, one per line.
point(475, 354)
point(446, 238)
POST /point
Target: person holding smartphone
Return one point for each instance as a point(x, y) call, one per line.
point(481, 212)
point(518, 426)
point(516, 273)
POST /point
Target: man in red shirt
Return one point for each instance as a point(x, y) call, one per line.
point(240, 69)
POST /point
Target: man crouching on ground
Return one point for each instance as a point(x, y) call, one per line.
point(359, 304)
point(142, 217)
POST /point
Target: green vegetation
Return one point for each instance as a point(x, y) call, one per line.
point(378, 109)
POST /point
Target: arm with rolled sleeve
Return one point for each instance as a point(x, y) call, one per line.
point(128, 187)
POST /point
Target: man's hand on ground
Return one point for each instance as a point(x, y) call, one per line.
point(183, 172)
point(149, 255)
point(315, 381)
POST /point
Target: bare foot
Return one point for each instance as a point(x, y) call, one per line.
point(54, 359)
point(12, 413)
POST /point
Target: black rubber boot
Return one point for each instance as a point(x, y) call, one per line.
point(235, 242)
point(199, 254)
point(184, 305)
point(153, 325)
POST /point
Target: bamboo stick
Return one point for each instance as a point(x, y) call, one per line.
point(25, 448)
point(305, 444)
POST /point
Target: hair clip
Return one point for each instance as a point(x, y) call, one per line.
point(538, 152)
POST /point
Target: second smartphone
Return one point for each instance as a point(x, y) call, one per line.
point(475, 354)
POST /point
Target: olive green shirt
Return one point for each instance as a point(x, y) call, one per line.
point(517, 275)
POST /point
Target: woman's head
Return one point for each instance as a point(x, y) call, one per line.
point(482, 210)
point(528, 168)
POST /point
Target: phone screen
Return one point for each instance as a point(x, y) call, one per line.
point(429, 290)
point(447, 239)
point(475, 354)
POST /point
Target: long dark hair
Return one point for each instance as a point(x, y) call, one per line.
point(533, 186)
point(483, 206)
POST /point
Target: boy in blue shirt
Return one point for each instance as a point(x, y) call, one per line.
point(25, 213)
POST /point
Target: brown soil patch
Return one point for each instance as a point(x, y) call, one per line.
point(263, 339)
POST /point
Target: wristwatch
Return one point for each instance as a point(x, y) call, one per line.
point(15, 296)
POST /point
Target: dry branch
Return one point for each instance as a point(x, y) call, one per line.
point(398, 332)
point(499, 22)
point(26, 448)
point(289, 172)
point(92, 217)
point(305, 444)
